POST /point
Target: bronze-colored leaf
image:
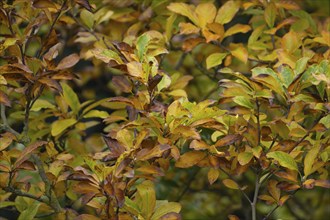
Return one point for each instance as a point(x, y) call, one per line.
point(27, 151)
point(68, 62)
point(51, 83)
point(85, 4)
point(228, 140)
point(115, 148)
point(4, 99)
point(189, 159)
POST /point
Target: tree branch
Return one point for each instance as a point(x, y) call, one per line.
point(5, 122)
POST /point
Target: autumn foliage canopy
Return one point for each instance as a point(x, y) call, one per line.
point(164, 110)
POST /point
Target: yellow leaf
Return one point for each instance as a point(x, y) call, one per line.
point(230, 184)
point(239, 51)
point(60, 125)
point(215, 59)
point(189, 159)
point(309, 160)
point(206, 13)
point(244, 158)
point(148, 198)
point(188, 28)
point(291, 42)
point(212, 175)
point(185, 10)
point(270, 14)
point(166, 208)
point(135, 69)
point(237, 28)
point(227, 12)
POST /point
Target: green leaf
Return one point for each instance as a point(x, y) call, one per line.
point(142, 45)
point(304, 16)
point(165, 82)
point(270, 14)
point(310, 160)
point(215, 59)
point(148, 198)
point(243, 101)
point(286, 75)
point(30, 212)
point(106, 55)
point(244, 157)
point(237, 28)
point(301, 65)
point(41, 104)
point(87, 18)
point(71, 98)
point(284, 159)
point(227, 12)
point(60, 125)
point(165, 208)
point(96, 114)
point(4, 204)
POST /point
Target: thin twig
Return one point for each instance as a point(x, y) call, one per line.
point(18, 192)
point(239, 187)
point(5, 122)
point(258, 121)
point(180, 61)
point(191, 179)
point(53, 202)
point(39, 54)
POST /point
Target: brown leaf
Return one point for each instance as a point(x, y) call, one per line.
point(171, 216)
point(198, 145)
point(323, 183)
point(27, 151)
point(309, 184)
point(43, 4)
point(189, 159)
point(68, 62)
point(233, 217)
point(153, 82)
point(227, 140)
point(51, 83)
point(53, 52)
point(114, 147)
point(289, 175)
point(122, 83)
point(191, 43)
point(87, 217)
point(148, 153)
point(4, 99)
point(85, 4)
point(287, 186)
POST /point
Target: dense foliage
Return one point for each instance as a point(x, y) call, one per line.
point(123, 109)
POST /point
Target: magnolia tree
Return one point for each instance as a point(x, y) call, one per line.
point(164, 109)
